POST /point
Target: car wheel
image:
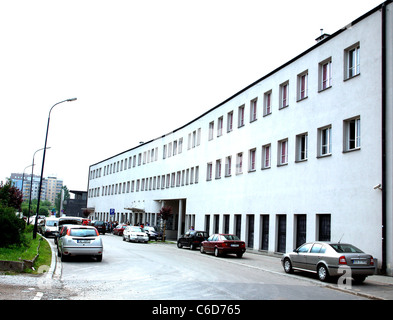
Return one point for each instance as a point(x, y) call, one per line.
point(359, 279)
point(124, 238)
point(239, 255)
point(323, 273)
point(288, 266)
point(179, 245)
point(216, 252)
point(192, 246)
point(201, 249)
point(99, 258)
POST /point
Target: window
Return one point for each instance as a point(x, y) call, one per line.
point(241, 117)
point(253, 110)
point(352, 61)
point(220, 123)
point(266, 156)
point(352, 134)
point(252, 160)
point(302, 86)
point(284, 95)
point(324, 141)
point(228, 166)
point(301, 147)
point(209, 171)
point(211, 130)
point(218, 169)
point(267, 103)
point(239, 163)
point(283, 152)
point(325, 74)
point(230, 121)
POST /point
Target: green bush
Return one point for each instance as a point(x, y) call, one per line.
point(11, 227)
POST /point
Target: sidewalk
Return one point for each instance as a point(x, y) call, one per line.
point(377, 287)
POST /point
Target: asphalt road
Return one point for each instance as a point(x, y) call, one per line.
point(157, 271)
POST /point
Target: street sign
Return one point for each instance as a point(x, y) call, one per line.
point(112, 212)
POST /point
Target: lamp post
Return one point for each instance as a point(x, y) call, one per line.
point(31, 182)
point(42, 168)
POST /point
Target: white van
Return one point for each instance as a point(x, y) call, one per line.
point(49, 226)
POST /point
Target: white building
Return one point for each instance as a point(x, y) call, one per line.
point(303, 153)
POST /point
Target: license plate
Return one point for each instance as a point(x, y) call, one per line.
point(359, 261)
point(83, 241)
point(234, 245)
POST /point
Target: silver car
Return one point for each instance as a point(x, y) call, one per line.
point(134, 233)
point(329, 259)
point(79, 240)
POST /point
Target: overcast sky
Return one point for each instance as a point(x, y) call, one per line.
point(138, 69)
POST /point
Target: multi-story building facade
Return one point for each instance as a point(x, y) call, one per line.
point(303, 153)
point(51, 186)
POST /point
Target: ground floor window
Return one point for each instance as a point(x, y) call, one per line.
point(281, 232)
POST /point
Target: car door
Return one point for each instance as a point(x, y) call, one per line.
point(208, 244)
point(316, 254)
point(299, 256)
point(63, 232)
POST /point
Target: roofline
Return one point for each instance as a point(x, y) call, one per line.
point(362, 17)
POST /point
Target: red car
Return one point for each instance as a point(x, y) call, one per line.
point(221, 244)
point(119, 229)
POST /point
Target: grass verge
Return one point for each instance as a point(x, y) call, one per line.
point(27, 251)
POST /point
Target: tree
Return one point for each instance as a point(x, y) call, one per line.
point(10, 196)
point(11, 226)
point(165, 214)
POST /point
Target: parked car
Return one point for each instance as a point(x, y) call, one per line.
point(151, 232)
point(192, 239)
point(76, 240)
point(67, 220)
point(100, 226)
point(48, 227)
point(221, 244)
point(134, 233)
point(326, 258)
point(119, 229)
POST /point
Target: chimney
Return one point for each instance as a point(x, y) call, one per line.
point(323, 36)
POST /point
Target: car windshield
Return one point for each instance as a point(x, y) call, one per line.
point(229, 237)
point(83, 232)
point(135, 229)
point(51, 223)
point(345, 248)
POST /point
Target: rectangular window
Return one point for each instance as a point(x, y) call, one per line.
point(302, 86)
point(218, 169)
point(209, 171)
point(239, 163)
point(325, 74)
point(324, 227)
point(267, 103)
point(284, 95)
point(324, 141)
point(228, 166)
point(230, 121)
point(283, 152)
point(266, 156)
point(240, 122)
point(252, 160)
point(220, 124)
point(301, 147)
point(211, 130)
point(253, 109)
point(352, 61)
point(352, 134)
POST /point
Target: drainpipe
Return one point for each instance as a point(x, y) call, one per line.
point(384, 121)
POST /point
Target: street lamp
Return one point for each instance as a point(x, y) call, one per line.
point(31, 182)
point(42, 168)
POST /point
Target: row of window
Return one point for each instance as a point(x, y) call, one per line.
point(351, 143)
point(322, 228)
point(170, 180)
point(352, 68)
